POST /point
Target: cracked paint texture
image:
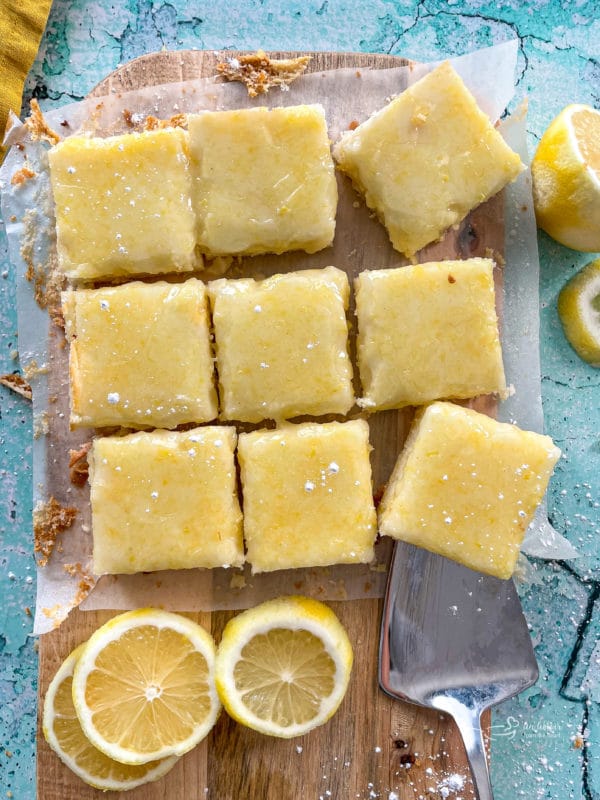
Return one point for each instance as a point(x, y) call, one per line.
point(542, 742)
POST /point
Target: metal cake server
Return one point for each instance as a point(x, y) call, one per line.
point(454, 640)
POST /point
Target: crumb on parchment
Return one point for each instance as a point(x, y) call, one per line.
point(217, 267)
point(176, 121)
point(22, 175)
point(37, 276)
point(78, 464)
point(41, 424)
point(49, 520)
point(31, 369)
point(38, 127)
point(86, 581)
point(237, 581)
point(137, 122)
point(495, 256)
point(17, 383)
point(259, 73)
point(57, 613)
point(47, 279)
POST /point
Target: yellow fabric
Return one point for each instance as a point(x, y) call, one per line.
point(22, 23)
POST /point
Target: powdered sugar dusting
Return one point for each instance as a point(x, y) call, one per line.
point(451, 784)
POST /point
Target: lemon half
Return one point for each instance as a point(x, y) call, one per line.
point(566, 179)
point(64, 735)
point(283, 667)
point(579, 311)
point(143, 686)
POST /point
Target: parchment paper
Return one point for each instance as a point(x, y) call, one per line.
point(361, 242)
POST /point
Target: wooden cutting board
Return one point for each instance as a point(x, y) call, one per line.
point(373, 746)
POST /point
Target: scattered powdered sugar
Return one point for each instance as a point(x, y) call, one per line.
point(451, 784)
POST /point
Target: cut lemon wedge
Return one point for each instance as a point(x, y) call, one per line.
point(143, 687)
point(579, 311)
point(64, 735)
point(283, 667)
point(566, 179)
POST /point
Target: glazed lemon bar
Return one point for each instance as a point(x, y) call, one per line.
point(264, 180)
point(426, 159)
point(307, 495)
point(428, 332)
point(281, 345)
point(466, 487)
point(165, 500)
point(140, 355)
point(123, 204)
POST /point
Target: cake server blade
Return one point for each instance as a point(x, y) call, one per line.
point(454, 640)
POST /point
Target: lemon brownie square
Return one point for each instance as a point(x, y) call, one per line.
point(466, 486)
point(140, 355)
point(264, 180)
point(165, 500)
point(428, 332)
point(123, 204)
point(281, 345)
point(426, 159)
point(307, 495)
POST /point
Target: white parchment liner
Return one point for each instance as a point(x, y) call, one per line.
point(361, 242)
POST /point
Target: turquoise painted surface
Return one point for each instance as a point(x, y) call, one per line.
point(537, 752)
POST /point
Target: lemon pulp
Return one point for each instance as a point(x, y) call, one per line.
point(566, 178)
point(282, 676)
point(579, 311)
point(587, 131)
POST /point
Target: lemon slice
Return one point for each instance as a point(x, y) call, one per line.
point(566, 179)
point(143, 687)
point(283, 667)
point(579, 311)
point(64, 735)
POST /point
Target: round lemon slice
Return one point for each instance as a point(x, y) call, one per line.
point(64, 735)
point(283, 667)
point(566, 179)
point(579, 311)
point(143, 687)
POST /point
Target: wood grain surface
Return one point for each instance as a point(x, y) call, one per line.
point(373, 745)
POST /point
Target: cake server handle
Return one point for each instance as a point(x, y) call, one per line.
point(468, 721)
